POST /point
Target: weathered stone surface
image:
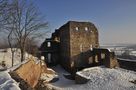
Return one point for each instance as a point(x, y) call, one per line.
point(22, 83)
point(114, 63)
point(78, 47)
point(51, 52)
point(30, 72)
point(77, 38)
point(45, 86)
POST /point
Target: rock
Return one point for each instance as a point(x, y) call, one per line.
point(30, 73)
point(22, 83)
point(133, 81)
point(48, 75)
point(80, 79)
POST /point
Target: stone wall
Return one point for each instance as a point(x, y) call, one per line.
point(83, 37)
point(130, 65)
point(79, 47)
point(106, 57)
point(56, 35)
point(75, 39)
point(65, 46)
point(53, 50)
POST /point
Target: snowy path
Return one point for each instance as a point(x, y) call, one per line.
point(62, 82)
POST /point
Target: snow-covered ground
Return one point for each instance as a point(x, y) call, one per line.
point(6, 55)
point(7, 83)
point(101, 78)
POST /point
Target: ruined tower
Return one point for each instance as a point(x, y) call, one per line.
point(75, 46)
point(77, 38)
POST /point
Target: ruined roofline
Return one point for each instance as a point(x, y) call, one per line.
point(70, 22)
point(57, 31)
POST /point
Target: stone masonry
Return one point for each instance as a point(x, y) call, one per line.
point(77, 47)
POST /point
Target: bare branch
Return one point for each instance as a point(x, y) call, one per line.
point(22, 21)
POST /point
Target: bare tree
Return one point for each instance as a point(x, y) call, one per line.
point(3, 7)
point(32, 46)
point(4, 43)
point(11, 45)
point(3, 4)
point(22, 21)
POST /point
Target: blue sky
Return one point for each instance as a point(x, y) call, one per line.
point(115, 19)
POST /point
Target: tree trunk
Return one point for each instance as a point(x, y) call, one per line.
point(22, 55)
point(12, 58)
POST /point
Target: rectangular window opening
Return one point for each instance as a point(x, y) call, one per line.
point(48, 44)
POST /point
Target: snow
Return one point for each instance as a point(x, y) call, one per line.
point(108, 79)
point(101, 78)
point(133, 53)
point(7, 83)
point(5, 55)
point(48, 77)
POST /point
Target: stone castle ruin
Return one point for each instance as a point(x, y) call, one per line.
point(75, 46)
